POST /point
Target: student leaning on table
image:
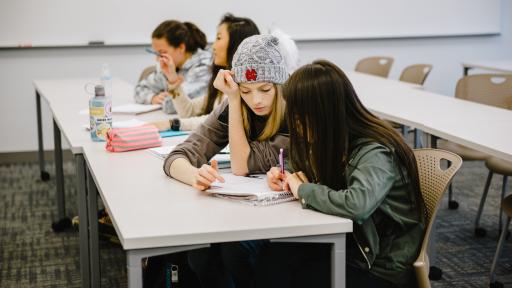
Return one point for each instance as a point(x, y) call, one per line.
point(231, 32)
point(355, 167)
point(251, 121)
point(181, 46)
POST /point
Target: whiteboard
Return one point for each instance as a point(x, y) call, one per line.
point(129, 22)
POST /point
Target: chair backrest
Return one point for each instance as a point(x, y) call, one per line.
point(433, 183)
point(416, 73)
point(147, 71)
point(489, 89)
point(378, 66)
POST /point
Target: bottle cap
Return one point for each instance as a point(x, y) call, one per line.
point(99, 90)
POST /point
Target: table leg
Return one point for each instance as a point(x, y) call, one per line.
point(433, 141)
point(338, 268)
point(83, 220)
point(405, 131)
point(45, 176)
point(92, 208)
point(418, 143)
point(63, 222)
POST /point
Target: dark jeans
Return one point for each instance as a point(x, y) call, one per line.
point(363, 279)
point(294, 265)
point(284, 265)
point(226, 264)
point(301, 265)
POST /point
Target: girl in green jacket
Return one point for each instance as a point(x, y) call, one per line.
point(352, 164)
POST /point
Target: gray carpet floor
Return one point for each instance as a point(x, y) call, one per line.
point(31, 255)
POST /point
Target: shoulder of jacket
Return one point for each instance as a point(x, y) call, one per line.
point(205, 57)
point(365, 147)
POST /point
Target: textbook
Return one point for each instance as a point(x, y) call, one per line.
point(251, 190)
point(222, 158)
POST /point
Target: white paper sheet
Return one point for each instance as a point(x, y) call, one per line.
point(134, 108)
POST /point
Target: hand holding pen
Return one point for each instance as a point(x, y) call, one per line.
point(206, 175)
point(166, 64)
point(279, 179)
point(276, 179)
point(276, 176)
point(281, 160)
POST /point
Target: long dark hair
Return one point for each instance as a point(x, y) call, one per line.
point(326, 118)
point(176, 32)
point(239, 28)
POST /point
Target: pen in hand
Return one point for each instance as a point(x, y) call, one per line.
point(281, 166)
point(281, 160)
point(151, 51)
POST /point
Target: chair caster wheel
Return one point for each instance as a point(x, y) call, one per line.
point(435, 273)
point(45, 176)
point(453, 205)
point(480, 232)
point(496, 285)
point(61, 225)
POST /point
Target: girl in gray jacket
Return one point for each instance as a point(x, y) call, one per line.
point(180, 47)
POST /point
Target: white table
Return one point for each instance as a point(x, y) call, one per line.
point(471, 124)
point(481, 127)
point(502, 66)
point(154, 214)
point(66, 98)
point(384, 97)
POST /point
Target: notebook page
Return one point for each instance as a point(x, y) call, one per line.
point(253, 187)
point(161, 152)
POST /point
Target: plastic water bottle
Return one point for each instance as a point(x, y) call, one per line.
point(106, 80)
point(100, 114)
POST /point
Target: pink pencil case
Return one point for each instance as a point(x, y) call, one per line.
point(133, 138)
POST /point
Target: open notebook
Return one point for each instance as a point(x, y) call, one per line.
point(252, 190)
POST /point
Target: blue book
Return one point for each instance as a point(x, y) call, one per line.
point(171, 133)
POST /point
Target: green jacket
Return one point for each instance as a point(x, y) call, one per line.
point(387, 229)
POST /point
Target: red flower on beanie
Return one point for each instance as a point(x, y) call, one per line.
point(250, 75)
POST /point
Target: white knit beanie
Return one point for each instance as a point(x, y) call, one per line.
point(259, 59)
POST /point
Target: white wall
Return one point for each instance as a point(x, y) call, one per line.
point(134, 20)
point(18, 67)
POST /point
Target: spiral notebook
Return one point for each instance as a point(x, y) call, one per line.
point(251, 190)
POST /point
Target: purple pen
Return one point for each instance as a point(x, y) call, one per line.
point(281, 160)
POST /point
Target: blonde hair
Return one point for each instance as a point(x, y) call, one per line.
point(274, 120)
